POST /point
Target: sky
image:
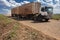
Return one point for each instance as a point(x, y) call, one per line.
point(7, 5)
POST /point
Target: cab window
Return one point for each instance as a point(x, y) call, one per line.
point(42, 9)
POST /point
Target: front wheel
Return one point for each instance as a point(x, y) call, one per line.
point(46, 20)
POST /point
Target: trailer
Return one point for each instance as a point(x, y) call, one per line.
point(32, 11)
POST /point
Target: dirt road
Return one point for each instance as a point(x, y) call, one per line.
point(51, 28)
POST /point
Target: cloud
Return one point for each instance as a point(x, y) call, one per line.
point(56, 10)
point(5, 2)
point(13, 3)
point(6, 12)
point(49, 2)
point(10, 4)
point(26, 2)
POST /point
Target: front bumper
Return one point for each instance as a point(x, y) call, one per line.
point(46, 17)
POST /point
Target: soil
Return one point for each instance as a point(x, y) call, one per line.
point(51, 28)
point(24, 32)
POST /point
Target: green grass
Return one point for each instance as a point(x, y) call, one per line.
point(12, 35)
point(56, 17)
point(5, 22)
point(27, 33)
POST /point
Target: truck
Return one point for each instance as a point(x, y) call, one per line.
point(33, 11)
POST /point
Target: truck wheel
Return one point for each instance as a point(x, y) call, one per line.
point(46, 20)
point(35, 19)
point(12, 15)
point(43, 20)
point(30, 16)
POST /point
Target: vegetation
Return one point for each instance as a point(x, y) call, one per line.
point(7, 24)
point(12, 30)
point(56, 17)
point(13, 34)
point(4, 21)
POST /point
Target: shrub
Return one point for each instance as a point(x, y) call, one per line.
point(56, 17)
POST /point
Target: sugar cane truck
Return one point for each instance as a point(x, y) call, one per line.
point(33, 11)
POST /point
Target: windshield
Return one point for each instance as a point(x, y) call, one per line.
point(49, 9)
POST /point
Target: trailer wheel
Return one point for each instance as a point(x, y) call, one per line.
point(30, 16)
point(35, 19)
point(12, 15)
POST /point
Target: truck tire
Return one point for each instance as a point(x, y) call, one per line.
point(46, 20)
point(12, 15)
point(39, 17)
point(35, 19)
point(43, 20)
point(30, 16)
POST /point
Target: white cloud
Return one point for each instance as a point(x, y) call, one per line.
point(22, 3)
point(26, 2)
point(49, 2)
point(10, 3)
point(56, 10)
point(38, 0)
point(13, 3)
point(5, 2)
point(7, 12)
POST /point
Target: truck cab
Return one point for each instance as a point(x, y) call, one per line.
point(45, 13)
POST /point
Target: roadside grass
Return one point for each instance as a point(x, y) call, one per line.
point(5, 23)
point(56, 16)
point(19, 31)
point(13, 35)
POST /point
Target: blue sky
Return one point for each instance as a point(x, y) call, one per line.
point(7, 5)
